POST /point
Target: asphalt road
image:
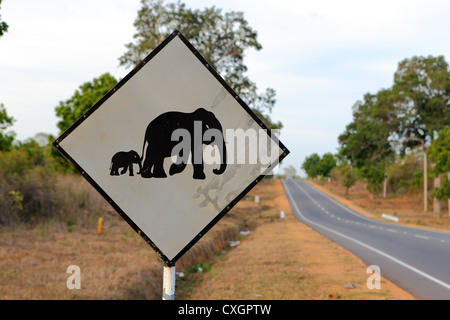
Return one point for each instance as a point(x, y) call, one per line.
point(415, 259)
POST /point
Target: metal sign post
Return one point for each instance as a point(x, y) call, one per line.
point(169, 282)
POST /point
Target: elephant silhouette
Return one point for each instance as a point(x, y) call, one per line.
point(124, 160)
point(160, 143)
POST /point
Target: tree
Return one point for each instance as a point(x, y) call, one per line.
point(72, 109)
point(367, 138)
point(222, 38)
point(310, 165)
point(374, 176)
point(315, 166)
point(84, 98)
point(347, 176)
point(6, 138)
point(366, 142)
point(3, 25)
point(326, 164)
point(410, 113)
point(423, 88)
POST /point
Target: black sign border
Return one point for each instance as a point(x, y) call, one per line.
point(166, 260)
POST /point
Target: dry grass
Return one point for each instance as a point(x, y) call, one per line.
point(116, 264)
point(34, 261)
point(277, 260)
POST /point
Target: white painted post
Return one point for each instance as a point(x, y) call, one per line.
point(169, 283)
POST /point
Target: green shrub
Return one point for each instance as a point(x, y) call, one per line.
point(32, 191)
point(405, 175)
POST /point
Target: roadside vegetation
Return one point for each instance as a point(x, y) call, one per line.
point(399, 139)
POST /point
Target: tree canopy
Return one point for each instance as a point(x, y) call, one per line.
point(366, 140)
point(422, 86)
point(222, 38)
point(315, 166)
point(310, 165)
point(415, 108)
point(85, 97)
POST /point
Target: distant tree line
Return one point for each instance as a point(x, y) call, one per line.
point(319, 167)
point(390, 124)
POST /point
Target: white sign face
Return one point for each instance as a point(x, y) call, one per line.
point(171, 148)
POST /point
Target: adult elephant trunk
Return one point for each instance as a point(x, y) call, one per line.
point(223, 158)
point(214, 133)
point(140, 166)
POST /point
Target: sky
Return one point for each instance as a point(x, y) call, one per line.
point(320, 56)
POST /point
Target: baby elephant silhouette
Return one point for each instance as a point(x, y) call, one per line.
point(125, 160)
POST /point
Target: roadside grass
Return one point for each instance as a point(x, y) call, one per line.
point(275, 259)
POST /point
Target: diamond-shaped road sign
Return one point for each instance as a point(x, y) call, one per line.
point(171, 147)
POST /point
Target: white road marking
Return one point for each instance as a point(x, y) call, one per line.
point(421, 237)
